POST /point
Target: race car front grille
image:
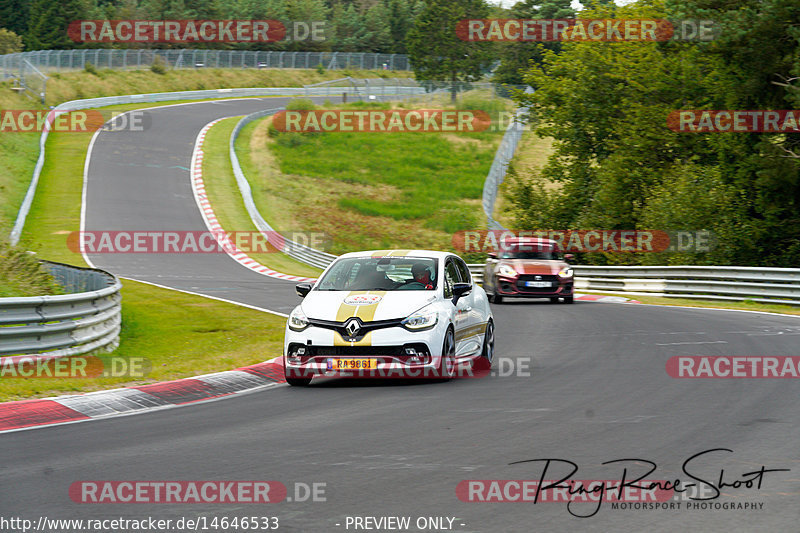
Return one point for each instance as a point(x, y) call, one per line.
point(363, 329)
point(356, 351)
point(359, 351)
point(537, 277)
point(550, 279)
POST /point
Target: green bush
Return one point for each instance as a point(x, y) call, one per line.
point(159, 66)
point(320, 69)
point(90, 68)
point(21, 274)
point(301, 104)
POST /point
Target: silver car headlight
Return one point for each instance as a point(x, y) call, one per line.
point(507, 271)
point(422, 319)
point(565, 272)
point(298, 320)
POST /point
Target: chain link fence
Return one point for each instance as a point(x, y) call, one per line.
point(503, 156)
point(49, 61)
point(28, 80)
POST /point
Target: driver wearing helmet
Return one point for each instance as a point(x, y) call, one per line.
point(422, 275)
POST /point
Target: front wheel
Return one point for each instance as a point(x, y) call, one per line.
point(494, 297)
point(568, 300)
point(447, 363)
point(488, 344)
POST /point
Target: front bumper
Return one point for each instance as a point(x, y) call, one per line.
point(516, 287)
point(397, 352)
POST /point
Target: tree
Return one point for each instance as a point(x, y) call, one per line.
point(48, 22)
point(14, 15)
point(10, 42)
point(376, 35)
point(517, 56)
point(437, 52)
point(400, 20)
point(348, 29)
point(618, 166)
point(311, 11)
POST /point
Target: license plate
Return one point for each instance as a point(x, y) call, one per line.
point(352, 364)
point(537, 283)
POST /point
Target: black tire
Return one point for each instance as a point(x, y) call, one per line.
point(447, 363)
point(569, 300)
point(494, 297)
point(488, 345)
point(553, 300)
point(298, 382)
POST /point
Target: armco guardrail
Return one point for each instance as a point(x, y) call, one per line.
point(759, 284)
point(476, 270)
point(88, 103)
point(86, 320)
point(295, 250)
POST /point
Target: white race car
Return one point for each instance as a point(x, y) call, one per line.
point(396, 314)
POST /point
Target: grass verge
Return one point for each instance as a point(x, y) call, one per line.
point(226, 200)
point(19, 151)
point(531, 156)
point(180, 335)
point(370, 190)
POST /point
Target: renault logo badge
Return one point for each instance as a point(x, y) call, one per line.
point(352, 326)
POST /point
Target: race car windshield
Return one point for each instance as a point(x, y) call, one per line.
point(531, 252)
point(380, 274)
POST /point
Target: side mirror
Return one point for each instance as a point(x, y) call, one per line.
point(568, 257)
point(492, 255)
point(460, 289)
point(302, 289)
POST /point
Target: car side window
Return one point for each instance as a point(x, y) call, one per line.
point(463, 269)
point(450, 278)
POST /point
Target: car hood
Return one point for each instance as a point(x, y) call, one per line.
point(531, 266)
point(366, 305)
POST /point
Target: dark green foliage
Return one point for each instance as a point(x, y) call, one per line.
point(618, 166)
point(435, 49)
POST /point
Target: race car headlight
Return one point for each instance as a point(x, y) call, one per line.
point(565, 272)
point(297, 320)
point(421, 320)
point(507, 271)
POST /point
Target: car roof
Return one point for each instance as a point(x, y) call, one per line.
point(530, 240)
point(433, 254)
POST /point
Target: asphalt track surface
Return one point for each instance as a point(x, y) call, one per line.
point(588, 385)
